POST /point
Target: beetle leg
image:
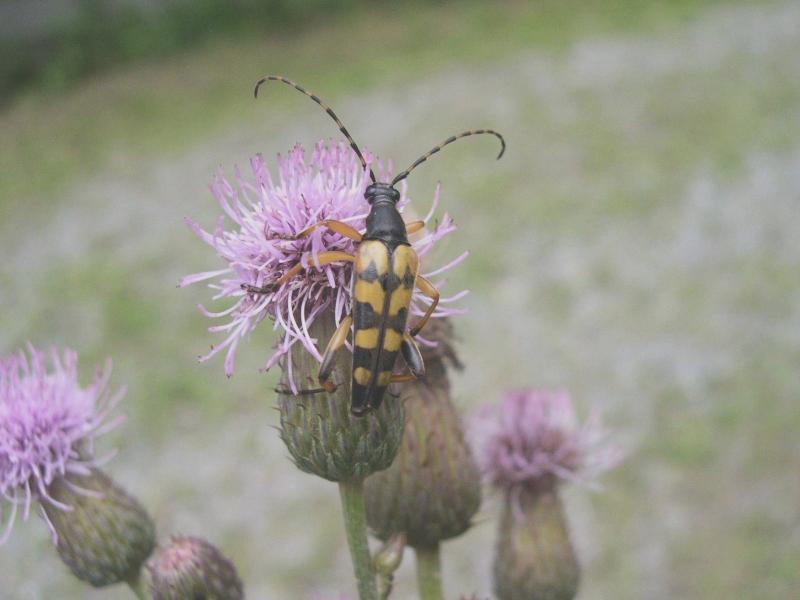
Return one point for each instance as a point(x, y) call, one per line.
point(414, 226)
point(336, 342)
point(402, 377)
point(288, 391)
point(413, 358)
point(324, 258)
point(427, 288)
point(337, 226)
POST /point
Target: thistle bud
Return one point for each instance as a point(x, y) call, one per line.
point(190, 567)
point(103, 534)
point(535, 557)
point(433, 488)
point(322, 436)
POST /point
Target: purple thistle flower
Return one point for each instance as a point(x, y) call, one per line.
point(330, 186)
point(533, 438)
point(48, 424)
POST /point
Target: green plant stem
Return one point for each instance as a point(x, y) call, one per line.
point(138, 588)
point(355, 524)
point(429, 573)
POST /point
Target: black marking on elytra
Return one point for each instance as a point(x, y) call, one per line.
point(408, 278)
point(378, 357)
point(370, 273)
point(390, 282)
point(398, 321)
point(364, 316)
point(385, 361)
point(362, 357)
point(377, 396)
point(359, 399)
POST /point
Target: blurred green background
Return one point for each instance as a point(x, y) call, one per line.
point(638, 245)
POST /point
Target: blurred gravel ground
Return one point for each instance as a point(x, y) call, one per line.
point(637, 245)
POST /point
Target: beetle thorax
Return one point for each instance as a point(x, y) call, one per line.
point(384, 221)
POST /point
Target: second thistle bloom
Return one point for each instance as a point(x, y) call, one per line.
point(530, 443)
point(265, 213)
point(48, 426)
point(533, 438)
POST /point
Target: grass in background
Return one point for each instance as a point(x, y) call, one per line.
point(591, 215)
point(117, 117)
point(101, 35)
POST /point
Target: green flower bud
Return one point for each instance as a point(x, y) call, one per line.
point(189, 568)
point(388, 558)
point(535, 559)
point(433, 488)
point(106, 535)
point(322, 436)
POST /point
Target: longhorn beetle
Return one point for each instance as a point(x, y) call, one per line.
point(386, 273)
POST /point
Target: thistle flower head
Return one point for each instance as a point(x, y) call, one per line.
point(533, 437)
point(263, 214)
point(48, 424)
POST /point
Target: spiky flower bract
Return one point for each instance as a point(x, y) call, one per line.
point(106, 535)
point(48, 426)
point(264, 213)
point(322, 435)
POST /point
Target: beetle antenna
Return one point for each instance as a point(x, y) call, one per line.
point(327, 109)
point(449, 140)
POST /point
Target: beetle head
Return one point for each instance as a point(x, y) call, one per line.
point(381, 192)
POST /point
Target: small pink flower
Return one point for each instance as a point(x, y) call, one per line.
point(48, 424)
point(329, 186)
point(533, 437)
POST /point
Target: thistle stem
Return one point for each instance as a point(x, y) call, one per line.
point(355, 524)
point(138, 588)
point(429, 573)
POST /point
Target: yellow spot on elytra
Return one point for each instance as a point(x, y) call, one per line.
point(392, 340)
point(361, 375)
point(372, 251)
point(370, 292)
point(405, 257)
point(367, 338)
point(401, 298)
point(384, 378)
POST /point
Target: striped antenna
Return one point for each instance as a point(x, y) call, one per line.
point(449, 140)
point(327, 109)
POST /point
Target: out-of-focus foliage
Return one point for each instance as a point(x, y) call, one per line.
point(102, 34)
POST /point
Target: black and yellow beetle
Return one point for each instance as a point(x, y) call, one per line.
point(386, 273)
